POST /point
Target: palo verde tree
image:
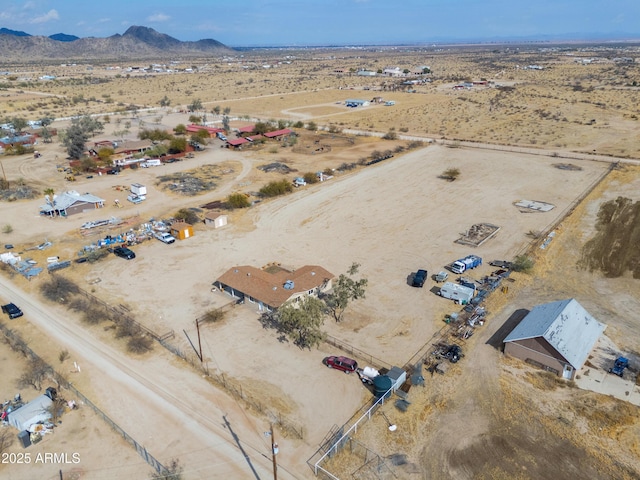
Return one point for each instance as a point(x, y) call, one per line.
point(345, 290)
point(301, 321)
point(78, 133)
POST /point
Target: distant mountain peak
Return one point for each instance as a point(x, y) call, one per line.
point(150, 36)
point(17, 33)
point(63, 37)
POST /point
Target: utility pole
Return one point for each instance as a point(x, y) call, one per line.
point(199, 342)
point(274, 452)
point(5, 176)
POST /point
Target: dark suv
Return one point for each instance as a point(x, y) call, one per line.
point(419, 278)
point(347, 365)
point(12, 310)
point(124, 252)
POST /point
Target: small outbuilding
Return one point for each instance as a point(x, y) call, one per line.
point(215, 219)
point(556, 336)
point(181, 230)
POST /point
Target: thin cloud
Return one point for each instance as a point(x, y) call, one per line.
point(29, 6)
point(158, 17)
point(104, 20)
point(47, 17)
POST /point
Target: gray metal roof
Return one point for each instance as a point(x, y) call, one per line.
point(33, 412)
point(566, 325)
point(66, 199)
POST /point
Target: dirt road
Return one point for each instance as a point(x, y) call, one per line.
point(162, 405)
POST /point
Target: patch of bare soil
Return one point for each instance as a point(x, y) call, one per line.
point(195, 181)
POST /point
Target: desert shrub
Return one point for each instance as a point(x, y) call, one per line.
point(59, 289)
point(276, 188)
point(94, 314)
point(127, 328)
point(213, 316)
point(238, 200)
point(522, 263)
point(79, 304)
point(310, 177)
point(7, 229)
point(96, 255)
point(63, 355)
point(298, 124)
point(187, 215)
point(390, 135)
point(139, 344)
point(450, 174)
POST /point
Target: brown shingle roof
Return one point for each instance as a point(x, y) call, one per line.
point(269, 287)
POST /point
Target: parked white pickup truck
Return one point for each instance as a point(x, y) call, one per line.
point(164, 237)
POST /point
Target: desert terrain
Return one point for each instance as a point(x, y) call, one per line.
point(392, 218)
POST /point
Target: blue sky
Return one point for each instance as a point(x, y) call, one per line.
point(330, 22)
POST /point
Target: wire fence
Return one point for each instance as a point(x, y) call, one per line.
point(19, 345)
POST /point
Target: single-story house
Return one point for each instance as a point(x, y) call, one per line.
point(556, 336)
point(237, 142)
point(246, 129)
point(181, 230)
point(212, 131)
point(279, 133)
point(216, 219)
point(71, 202)
point(131, 147)
point(269, 288)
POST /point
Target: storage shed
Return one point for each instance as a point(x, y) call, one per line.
point(215, 219)
point(181, 230)
point(556, 336)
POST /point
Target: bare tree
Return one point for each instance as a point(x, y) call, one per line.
point(36, 372)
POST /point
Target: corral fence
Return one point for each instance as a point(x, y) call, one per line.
point(356, 352)
point(18, 344)
point(340, 438)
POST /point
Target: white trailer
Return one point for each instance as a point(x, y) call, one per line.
point(458, 293)
point(138, 189)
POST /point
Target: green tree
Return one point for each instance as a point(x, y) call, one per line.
point(312, 126)
point(105, 154)
point(522, 263)
point(177, 145)
point(155, 135)
point(226, 110)
point(301, 321)
point(19, 123)
point(195, 105)
point(195, 119)
point(225, 122)
point(180, 129)
point(238, 200)
point(164, 101)
point(216, 110)
point(344, 291)
point(74, 141)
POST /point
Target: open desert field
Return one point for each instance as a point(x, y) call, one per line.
point(391, 218)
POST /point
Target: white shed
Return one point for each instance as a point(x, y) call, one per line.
point(215, 219)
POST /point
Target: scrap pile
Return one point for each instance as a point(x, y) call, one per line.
point(25, 268)
point(463, 324)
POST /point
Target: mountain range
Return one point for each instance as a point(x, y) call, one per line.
point(136, 43)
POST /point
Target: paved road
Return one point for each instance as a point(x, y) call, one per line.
point(156, 402)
